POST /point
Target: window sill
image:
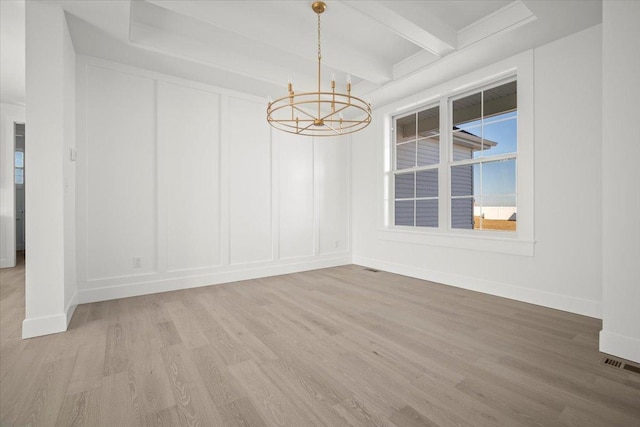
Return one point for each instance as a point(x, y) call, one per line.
point(486, 242)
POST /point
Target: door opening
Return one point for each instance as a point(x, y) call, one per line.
point(19, 166)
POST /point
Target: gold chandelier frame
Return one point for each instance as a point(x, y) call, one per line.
point(319, 113)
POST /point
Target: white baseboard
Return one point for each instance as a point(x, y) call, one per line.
point(54, 324)
point(104, 293)
point(39, 326)
point(71, 308)
point(7, 263)
point(620, 346)
point(546, 299)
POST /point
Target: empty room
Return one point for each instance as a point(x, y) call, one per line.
point(339, 213)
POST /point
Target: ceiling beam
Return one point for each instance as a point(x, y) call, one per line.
point(439, 40)
point(505, 19)
point(218, 15)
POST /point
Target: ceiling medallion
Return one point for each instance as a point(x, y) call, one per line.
point(319, 113)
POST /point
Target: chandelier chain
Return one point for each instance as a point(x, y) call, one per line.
point(319, 50)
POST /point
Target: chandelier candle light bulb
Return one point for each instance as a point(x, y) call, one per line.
point(319, 113)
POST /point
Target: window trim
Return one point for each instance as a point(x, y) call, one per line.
point(520, 242)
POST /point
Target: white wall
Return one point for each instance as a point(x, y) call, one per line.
point(49, 291)
point(190, 179)
point(69, 172)
point(620, 333)
point(9, 115)
point(564, 270)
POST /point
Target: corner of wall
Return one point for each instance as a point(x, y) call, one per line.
point(38, 326)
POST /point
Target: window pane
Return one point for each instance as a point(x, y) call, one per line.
point(499, 178)
point(427, 213)
point(462, 213)
point(496, 213)
point(406, 128)
point(19, 159)
point(466, 110)
point(462, 179)
point(428, 151)
point(405, 185)
point(429, 122)
point(500, 137)
point(427, 183)
point(406, 155)
point(404, 212)
point(499, 100)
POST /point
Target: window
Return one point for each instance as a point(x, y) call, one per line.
point(19, 167)
point(417, 158)
point(483, 167)
point(479, 165)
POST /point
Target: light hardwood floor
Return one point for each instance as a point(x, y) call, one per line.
point(333, 347)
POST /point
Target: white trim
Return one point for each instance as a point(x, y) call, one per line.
point(476, 240)
point(71, 308)
point(6, 263)
point(620, 346)
point(54, 324)
point(546, 299)
point(109, 292)
point(46, 325)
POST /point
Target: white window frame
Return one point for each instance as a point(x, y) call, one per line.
point(476, 161)
point(519, 242)
point(416, 169)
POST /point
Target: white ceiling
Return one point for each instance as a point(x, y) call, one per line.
point(388, 47)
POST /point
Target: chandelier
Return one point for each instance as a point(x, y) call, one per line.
point(319, 113)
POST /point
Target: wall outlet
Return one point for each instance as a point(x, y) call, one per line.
point(137, 262)
point(337, 244)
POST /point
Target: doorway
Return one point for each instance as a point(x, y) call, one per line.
point(19, 164)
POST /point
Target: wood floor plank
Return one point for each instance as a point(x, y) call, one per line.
point(311, 393)
point(223, 387)
point(409, 417)
point(164, 418)
point(16, 385)
point(46, 394)
point(116, 353)
point(336, 347)
point(192, 402)
point(115, 406)
point(357, 414)
point(147, 371)
point(186, 325)
point(241, 413)
point(267, 398)
point(80, 409)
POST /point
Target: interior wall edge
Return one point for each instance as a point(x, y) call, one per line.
point(567, 303)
